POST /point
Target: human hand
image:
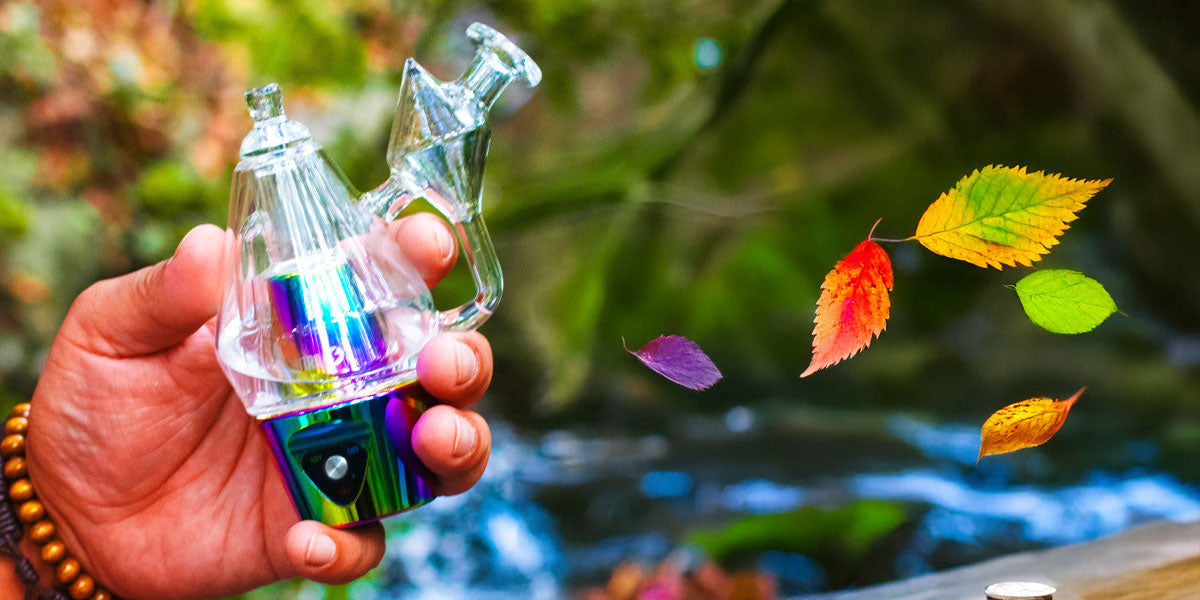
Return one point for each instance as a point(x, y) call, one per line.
point(159, 482)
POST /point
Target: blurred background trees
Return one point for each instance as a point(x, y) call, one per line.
point(687, 166)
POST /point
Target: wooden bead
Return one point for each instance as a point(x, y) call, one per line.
point(13, 443)
point(21, 410)
point(16, 468)
point(21, 490)
point(67, 571)
point(16, 425)
point(31, 511)
point(102, 594)
point(41, 532)
point(82, 588)
point(54, 552)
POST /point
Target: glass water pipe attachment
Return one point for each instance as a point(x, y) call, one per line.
point(320, 305)
point(438, 149)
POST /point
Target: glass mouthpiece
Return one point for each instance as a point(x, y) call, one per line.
point(518, 62)
point(272, 129)
point(265, 102)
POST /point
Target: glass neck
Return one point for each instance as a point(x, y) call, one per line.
point(487, 76)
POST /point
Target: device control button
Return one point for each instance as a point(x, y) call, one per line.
point(338, 470)
point(336, 467)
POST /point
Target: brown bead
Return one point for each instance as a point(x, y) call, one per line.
point(82, 588)
point(41, 532)
point(31, 511)
point(13, 443)
point(67, 571)
point(21, 490)
point(16, 425)
point(21, 410)
point(16, 467)
point(102, 594)
point(54, 552)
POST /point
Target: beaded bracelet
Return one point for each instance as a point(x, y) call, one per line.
point(74, 583)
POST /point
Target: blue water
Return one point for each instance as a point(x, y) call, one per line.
point(559, 510)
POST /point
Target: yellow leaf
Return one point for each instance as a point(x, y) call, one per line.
point(1026, 424)
point(1003, 215)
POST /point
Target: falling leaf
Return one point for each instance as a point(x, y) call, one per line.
point(1003, 215)
point(1026, 424)
point(1064, 301)
point(680, 360)
point(853, 307)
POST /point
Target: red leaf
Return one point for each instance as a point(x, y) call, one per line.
point(854, 306)
point(680, 360)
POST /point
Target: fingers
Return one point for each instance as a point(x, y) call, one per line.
point(428, 244)
point(334, 556)
point(455, 445)
point(153, 308)
point(456, 367)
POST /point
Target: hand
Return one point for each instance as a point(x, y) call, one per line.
point(160, 483)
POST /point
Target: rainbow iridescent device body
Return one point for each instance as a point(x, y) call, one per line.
point(322, 316)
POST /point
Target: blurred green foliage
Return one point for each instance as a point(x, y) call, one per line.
point(687, 166)
point(843, 539)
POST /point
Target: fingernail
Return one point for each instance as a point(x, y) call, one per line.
point(465, 437)
point(321, 550)
point(466, 364)
point(445, 242)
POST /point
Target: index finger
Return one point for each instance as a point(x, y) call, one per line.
point(428, 244)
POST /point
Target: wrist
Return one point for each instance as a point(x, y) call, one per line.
point(21, 511)
point(11, 586)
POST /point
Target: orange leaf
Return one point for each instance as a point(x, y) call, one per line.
point(1003, 215)
point(1026, 424)
point(854, 306)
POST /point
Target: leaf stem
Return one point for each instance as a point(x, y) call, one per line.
point(891, 241)
point(872, 231)
point(871, 235)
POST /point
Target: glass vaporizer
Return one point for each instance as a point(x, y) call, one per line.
point(322, 316)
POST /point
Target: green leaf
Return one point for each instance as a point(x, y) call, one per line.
point(1064, 301)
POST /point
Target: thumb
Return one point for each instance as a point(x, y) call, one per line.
point(334, 556)
point(155, 307)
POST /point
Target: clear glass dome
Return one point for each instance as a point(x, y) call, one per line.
point(320, 305)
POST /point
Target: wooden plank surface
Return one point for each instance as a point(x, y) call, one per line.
point(1160, 561)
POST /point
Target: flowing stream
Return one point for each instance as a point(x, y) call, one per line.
point(558, 510)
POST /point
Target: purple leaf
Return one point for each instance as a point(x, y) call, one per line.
point(680, 360)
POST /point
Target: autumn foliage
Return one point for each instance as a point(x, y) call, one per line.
point(854, 306)
point(1024, 424)
point(668, 582)
point(1000, 216)
point(994, 217)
